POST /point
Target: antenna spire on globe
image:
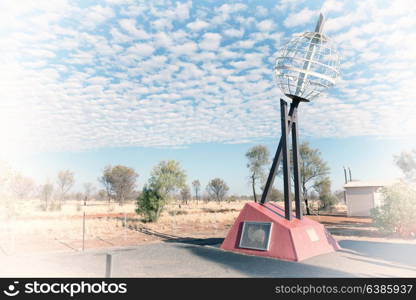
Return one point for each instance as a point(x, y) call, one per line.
point(307, 65)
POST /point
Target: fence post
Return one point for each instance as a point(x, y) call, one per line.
point(125, 225)
point(108, 265)
point(83, 232)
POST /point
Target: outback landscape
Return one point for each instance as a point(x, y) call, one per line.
point(145, 130)
point(108, 226)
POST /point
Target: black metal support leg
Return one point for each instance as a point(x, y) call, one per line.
point(286, 160)
point(296, 168)
point(277, 157)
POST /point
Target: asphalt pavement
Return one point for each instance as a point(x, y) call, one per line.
point(192, 259)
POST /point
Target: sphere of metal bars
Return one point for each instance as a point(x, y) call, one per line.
point(307, 65)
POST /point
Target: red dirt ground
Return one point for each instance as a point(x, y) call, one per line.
point(138, 233)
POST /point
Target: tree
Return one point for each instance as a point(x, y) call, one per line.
point(326, 197)
point(105, 180)
point(406, 161)
point(397, 214)
point(45, 194)
point(313, 169)
point(217, 189)
point(167, 176)
point(150, 203)
point(276, 195)
point(258, 158)
point(88, 190)
point(65, 182)
point(197, 187)
point(101, 195)
point(22, 186)
point(185, 194)
point(119, 182)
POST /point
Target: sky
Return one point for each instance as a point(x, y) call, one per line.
point(84, 84)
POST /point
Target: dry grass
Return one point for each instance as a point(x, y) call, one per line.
point(104, 224)
point(32, 228)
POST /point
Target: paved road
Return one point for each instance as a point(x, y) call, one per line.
point(357, 259)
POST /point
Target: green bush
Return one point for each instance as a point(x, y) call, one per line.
point(150, 203)
point(327, 201)
point(397, 214)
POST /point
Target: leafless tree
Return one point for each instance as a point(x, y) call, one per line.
point(65, 182)
point(88, 190)
point(22, 186)
point(197, 187)
point(46, 191)
point(185, 194)
point(217, 189)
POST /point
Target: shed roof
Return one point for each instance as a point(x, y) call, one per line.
point(359, 183)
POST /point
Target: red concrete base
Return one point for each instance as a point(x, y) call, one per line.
point(293, 240)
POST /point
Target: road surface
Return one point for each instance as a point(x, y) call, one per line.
point(356, 259)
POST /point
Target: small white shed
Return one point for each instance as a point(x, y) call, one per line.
point(362, 196)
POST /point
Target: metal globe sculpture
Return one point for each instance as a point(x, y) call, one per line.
point(307, 65)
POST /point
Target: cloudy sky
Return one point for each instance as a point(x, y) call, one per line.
point(136, 81)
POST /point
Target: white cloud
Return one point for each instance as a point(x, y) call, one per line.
point(231, 8)
point(288, 4)
point(119, 37)
point(232, 32)
point(162, 39)
point(182, 10)
point(211, 41)
point(187, 48)
point(300, 18)
point(197, 25)
point(162, 24)
point(336, 24)
point(141, 49)
point(96, 15)
point(87, 83)
point(261, 11)
point(130, 26)
point(332, 6)
point(370, 55)
point(266, 25)
point(226, 10)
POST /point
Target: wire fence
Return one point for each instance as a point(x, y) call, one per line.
point(98, 224)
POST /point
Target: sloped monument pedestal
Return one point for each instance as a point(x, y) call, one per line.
point(294, 240)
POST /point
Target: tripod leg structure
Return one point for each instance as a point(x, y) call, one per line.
point(286, 160)
point(296, 168)
point(291, 126)
point(277, 157)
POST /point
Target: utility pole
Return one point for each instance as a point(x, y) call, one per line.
point(346, 181)
point(345, 175)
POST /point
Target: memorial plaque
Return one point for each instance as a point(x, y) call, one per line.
point(256, 235)
point(312, 235)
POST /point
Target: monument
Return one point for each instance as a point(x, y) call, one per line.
point(305, 67)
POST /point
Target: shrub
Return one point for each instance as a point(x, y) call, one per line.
point(276, 195)
point(55, 205)
point(397, 214)
point(327, 201)
point(150, 203)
